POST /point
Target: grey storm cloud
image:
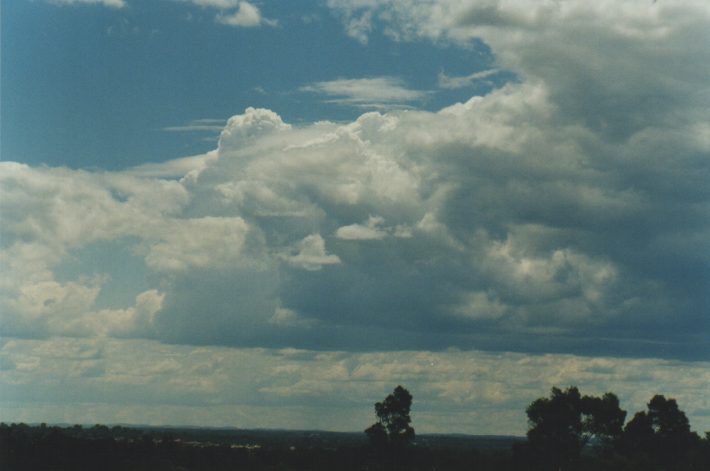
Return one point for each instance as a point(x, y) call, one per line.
point(486, 225)
point(568, 211)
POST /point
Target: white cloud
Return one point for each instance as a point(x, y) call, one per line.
point(455, 391)
point(562, 274)
point(492, 208)
point(237, 13)
point(573, 45)
point(178, 168)
point(198, 125)
point(370, 231)
point(311, 254)
point(377, 92)
point(135, 321)
point(246, 16)
point(107, 3)
point(208, 242)
point(49, 307)
point(224, 4)
point(254, 123)
point(565, 212)
point(360, 27)
point(288, 318)
point(537, 217)
point(452, 83)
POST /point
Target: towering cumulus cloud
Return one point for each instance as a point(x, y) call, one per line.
point(566, 211)
point(553, 231)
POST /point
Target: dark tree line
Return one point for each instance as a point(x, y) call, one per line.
point(565, 425)
point(567, 431)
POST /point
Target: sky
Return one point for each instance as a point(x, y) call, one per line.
point(268, 214)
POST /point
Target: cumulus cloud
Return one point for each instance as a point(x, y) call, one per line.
point(369, 231)
point(564, 212)
point(311, 254)
point(237, 13)
point(50, 213)
point(573, 45)
point(246, 16)
point(198, 242)
point(177, 168)
point(252, 124)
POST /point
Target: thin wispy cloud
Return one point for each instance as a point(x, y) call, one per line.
point(455, 82)
point(106, 3)
point(378, 92)
point(198, 125)
point(177, 168)
point(224, 4)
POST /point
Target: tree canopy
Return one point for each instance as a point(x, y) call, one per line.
point(393, 426)
point(661, 432)
point(561, 425)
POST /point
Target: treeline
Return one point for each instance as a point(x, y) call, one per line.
point(567, 431)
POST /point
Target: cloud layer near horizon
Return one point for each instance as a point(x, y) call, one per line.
point(91, 381)
point(565, 212)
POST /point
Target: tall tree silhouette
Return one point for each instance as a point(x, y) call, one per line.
point(602, 420)
point(662, 433)
point(393, 426)
point(561, 425)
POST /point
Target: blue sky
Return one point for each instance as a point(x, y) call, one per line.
point(120, 77)
point(476, 199)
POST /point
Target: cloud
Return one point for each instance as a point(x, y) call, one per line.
point(50, 213)
point(208, 242)
point(224, 4)
point(369, 231)
point(359, 28)
point(311, 254)
point(288, 318)
point(107, 3)
point(176, 168)
point(378, 92)
point(237, 13)
point(564, 212)
point(139, 381)
point(571, 45)
point(246, 16)
point(198, 125)
point(564, 216)
point(453, 83)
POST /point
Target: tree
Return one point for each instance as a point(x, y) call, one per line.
point(638, 433)
point(393, 421)
point(602, 420)
point(662, 433)
point(561, 425)
point(555, 428)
